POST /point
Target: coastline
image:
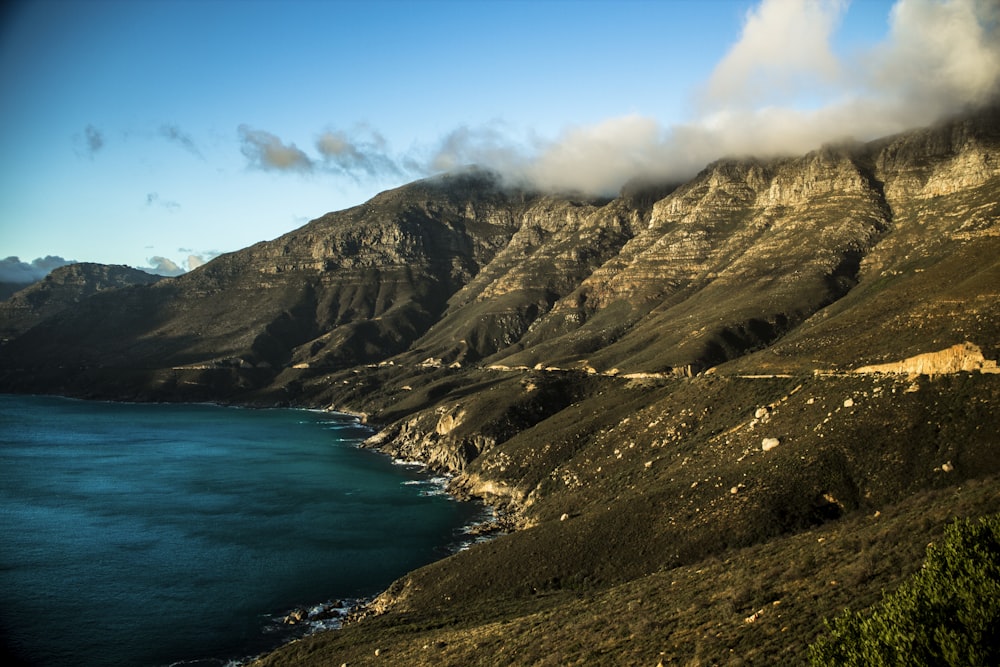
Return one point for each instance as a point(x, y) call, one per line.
point(333, 615)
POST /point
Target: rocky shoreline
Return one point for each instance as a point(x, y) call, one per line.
point(335, 614)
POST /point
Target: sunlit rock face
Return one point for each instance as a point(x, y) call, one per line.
point(965, 357)
point(729, 262)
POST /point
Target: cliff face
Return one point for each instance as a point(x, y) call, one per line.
point(728, 263)
point(934, 280)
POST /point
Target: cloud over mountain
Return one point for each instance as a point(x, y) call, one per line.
point(940, 56)
point(164, 266)
point(13, 270)
point(784, 50)
point(781, 88)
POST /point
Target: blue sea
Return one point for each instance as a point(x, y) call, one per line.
point(147, 535)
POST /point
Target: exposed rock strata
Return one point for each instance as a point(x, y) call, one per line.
point(965, 357)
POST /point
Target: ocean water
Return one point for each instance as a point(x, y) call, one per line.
point(181, 534)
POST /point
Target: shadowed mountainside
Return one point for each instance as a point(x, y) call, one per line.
point(62, 289)
point(753, 395)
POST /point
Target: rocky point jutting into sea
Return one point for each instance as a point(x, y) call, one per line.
point(659, 391)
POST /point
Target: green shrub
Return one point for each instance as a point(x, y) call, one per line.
point(948, 613)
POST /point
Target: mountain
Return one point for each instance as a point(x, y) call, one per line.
point(63, 288)
point(709, 413)
point(8, 290)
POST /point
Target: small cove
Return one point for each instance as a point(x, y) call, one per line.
point(180, 534)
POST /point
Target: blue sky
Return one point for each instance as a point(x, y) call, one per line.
point(163, 132)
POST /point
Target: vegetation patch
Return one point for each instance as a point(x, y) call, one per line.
point(948, 613)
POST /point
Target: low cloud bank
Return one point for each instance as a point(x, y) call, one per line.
point(781, 90)
point(13, 270)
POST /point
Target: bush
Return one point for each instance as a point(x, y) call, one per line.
point(948, 613)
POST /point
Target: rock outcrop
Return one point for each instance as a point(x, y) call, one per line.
point(964, 357)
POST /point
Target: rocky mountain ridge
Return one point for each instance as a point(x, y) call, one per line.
point(645, 387)
point(667, 278)
point(61, 289)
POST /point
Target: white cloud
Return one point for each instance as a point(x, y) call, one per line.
point(194, 261)
point(600, 158)
point(163, 266)
point(940, 56)
point(488, 145)
point(783, 52)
